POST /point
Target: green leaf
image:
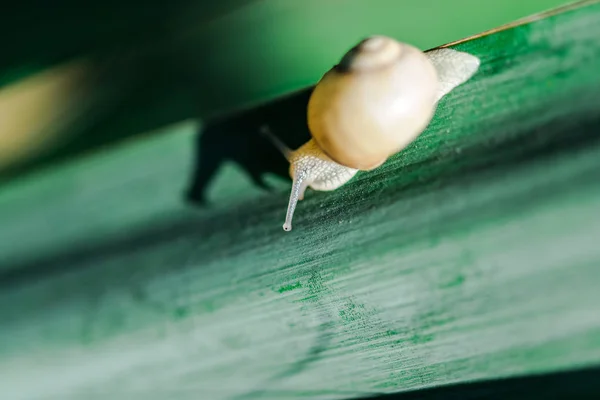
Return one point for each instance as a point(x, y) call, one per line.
point(473, 254)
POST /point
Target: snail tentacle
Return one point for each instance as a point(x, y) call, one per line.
point(298, 187)
point(286, 151)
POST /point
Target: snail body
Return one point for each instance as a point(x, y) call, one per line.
point(372, 104)
point(310, 167)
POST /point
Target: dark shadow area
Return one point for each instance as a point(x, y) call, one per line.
point(237, 138)
point(44, 34)
point(127, 93)
point(576, 384)
point(145, 70)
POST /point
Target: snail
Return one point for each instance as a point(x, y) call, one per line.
point(376, 101)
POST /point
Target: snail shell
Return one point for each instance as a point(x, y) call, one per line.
point(376, 101)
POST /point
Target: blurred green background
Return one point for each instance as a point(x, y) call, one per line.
point(140, 66)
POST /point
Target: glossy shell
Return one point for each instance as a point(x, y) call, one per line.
point(375, 102)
